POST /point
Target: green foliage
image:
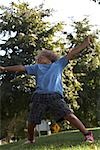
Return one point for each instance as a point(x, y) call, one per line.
point(96, 1)
point(26, 33)
point(86, 69)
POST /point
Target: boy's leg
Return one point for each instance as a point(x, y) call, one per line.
point(37, 110)
point(61, 110)
point(31, 132)
point(79, 125)
point(76, 122)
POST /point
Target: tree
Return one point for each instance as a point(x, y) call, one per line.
point(86, 69)
point(97, 1)
point(27, 33)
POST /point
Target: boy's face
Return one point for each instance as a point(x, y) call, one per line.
point(40, 59)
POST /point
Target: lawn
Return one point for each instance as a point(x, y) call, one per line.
point(69, 140)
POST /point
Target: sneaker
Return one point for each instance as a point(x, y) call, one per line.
point(89, 137)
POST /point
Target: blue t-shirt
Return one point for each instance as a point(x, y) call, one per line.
point(48, 76)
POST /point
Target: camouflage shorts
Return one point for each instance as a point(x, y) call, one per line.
point(43, 103)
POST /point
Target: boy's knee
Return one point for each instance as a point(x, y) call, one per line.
point(70, 116)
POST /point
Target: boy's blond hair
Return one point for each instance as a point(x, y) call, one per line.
point(49, 54)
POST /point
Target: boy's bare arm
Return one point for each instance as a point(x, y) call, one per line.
point(74, 51)
point(16, 68)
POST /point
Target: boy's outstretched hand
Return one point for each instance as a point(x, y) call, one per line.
point(74, 51)
point(88, 41)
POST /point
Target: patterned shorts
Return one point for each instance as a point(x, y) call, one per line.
point(43, 103)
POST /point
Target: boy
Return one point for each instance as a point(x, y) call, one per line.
point(49, 91)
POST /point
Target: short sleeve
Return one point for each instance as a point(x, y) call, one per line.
point(63, 62)
point(31, 69)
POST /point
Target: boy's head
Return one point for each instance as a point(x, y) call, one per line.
point(46, 57)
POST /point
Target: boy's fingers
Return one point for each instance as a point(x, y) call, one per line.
point(90, 39)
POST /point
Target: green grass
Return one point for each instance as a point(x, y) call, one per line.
point(69, 140)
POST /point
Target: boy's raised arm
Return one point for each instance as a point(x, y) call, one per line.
point(74, 51)
point(16, 68)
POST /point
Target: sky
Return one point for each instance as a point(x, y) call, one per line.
point(66, 10)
